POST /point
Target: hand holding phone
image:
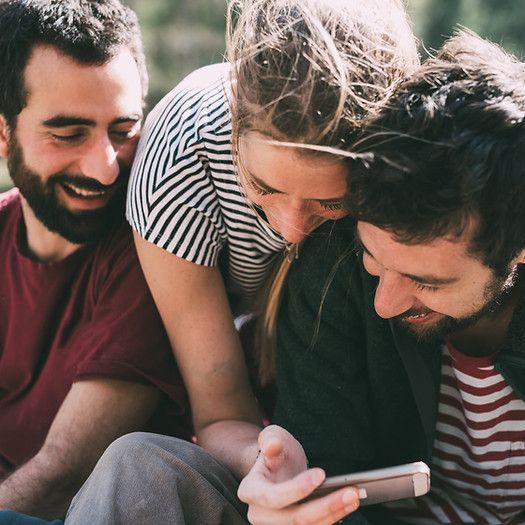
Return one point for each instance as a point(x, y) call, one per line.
point(279, 480)
point(382, 485)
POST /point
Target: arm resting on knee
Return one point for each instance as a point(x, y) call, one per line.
point(94, 413)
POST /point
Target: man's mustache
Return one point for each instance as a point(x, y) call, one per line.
point(89, 184)
point(412, 312)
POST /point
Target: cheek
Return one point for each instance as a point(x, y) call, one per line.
point(48, 159)
point(126, 152)
point(447, 303)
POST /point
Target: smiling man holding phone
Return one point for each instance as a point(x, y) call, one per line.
point(401, 331)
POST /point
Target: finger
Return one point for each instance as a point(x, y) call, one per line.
point(265, 465)
point(260, 492)
point(281, 453)
point(272, 454)
point(277, 432)
point(271, 441)
point(271, 449)
point(328, 509)
point(324, 511)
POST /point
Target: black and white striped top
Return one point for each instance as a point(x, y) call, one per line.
point(184, 194)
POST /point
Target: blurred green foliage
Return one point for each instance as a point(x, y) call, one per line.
point(501, 21)
point(179, 36)
point(182, 35)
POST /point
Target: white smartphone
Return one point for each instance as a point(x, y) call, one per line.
point(383, 484)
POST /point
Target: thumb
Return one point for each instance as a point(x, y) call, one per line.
point(271, 446)
point(271, 441)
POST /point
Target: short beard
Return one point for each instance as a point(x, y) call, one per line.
point(78, 227)
point(496, 292)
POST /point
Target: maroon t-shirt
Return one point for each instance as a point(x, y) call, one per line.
point(89, 315)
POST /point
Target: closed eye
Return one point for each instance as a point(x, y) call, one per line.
point(426, 287)
point(332, 205)
point(259, 189)
point(126, 133)
point(122, 136)
point(70, 137)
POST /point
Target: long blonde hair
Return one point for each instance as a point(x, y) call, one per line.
point(266, 328)
point(310, 74)
point(313, 70)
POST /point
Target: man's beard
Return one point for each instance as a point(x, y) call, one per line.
point(80, 226)
point(496, 292)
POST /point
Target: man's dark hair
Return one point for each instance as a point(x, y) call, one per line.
point(89, 31)
point(449, 154)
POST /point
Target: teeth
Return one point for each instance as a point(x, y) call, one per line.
point(83, 192)
point(419, 316)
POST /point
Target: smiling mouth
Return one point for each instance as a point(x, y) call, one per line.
point(83, 193)
point(418, 318)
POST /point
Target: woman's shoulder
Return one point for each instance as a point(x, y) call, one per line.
point(206, 86)
point(196, 108)
point(207, 77)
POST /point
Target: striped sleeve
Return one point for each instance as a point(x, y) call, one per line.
point(172, 201)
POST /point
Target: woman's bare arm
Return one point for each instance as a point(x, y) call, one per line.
point(194, 307)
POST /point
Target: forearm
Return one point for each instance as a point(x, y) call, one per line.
point(233, 443)
point(40, 488)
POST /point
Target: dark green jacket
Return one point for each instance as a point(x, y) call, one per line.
point(358, 391)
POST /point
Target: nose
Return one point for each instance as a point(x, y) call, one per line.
point(100, 161)
point(293, 221)
point(393, 296)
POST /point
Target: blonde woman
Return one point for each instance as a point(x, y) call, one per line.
point(238, 164)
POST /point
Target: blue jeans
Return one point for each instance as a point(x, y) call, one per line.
point(9, 517)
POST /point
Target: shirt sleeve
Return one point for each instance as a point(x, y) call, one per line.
point(124, 337)
point(172, 201)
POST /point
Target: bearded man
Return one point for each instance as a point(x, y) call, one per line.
point(401, 333)
point(83, 354)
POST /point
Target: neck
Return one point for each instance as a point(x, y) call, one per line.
point(43, 244)
point(488, 334)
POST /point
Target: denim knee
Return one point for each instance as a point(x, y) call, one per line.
point(9, 517)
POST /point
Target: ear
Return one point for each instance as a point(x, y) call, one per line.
point(4, 137)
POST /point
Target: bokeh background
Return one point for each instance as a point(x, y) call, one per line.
point(181, 35)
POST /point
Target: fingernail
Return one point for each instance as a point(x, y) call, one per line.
point(317, 477)
point(362, 493)
point(349, 497)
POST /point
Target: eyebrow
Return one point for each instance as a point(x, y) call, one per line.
point(265, 187)
point(421, 279)
point(261, 183)
point(64, 121)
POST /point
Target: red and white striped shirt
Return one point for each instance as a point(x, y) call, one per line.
point(478, 467)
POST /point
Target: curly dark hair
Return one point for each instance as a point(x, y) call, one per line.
point(449, 153)
point(89, 31)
